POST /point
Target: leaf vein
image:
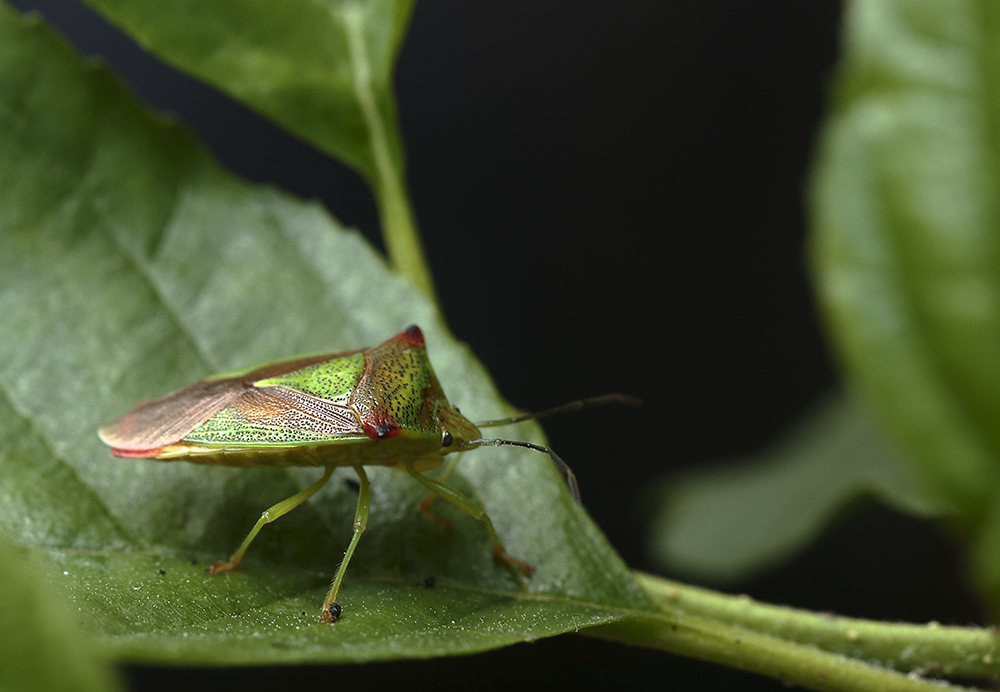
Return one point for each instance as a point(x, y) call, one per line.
point(43, 438)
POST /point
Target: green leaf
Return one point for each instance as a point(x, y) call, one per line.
point(322, 70)
point(312, 67)
point(41, 649)
point(130, 264)
point(742, 516)
point(906, 211)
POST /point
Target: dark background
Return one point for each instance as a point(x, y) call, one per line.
point(611, 200)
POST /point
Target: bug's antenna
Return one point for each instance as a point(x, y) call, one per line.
point(566, 408)
point(574, 489)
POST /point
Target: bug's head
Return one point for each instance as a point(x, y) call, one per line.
point(456, 429)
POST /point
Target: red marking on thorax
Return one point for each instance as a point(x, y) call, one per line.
point(381, 430)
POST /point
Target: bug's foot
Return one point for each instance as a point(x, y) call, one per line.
point(513, 561)
point(330, 613)
point(220, 567)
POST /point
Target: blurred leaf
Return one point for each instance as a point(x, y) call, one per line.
point(41, 649)
point(728, 522)
point(312, 67)
point(322, 70)
point(130, 264)
point(907, 239)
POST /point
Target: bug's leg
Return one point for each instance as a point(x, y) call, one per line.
point(472, 508)
point(425, 504)
point(269, 515)
point(331, 609)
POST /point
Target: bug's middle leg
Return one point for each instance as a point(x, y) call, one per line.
point(331, 609)
point(473, 509)
point(269, 515)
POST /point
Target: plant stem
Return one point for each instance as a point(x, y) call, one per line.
point(402, 239)
point(816, 650)
point(399, 228)
point(929, 648)
point(760, 653)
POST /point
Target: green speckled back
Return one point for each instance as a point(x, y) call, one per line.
point(334, 384)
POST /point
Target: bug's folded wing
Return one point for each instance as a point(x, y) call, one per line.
point(159, 422)
point(278, 416)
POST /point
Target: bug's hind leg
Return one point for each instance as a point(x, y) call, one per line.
point(269, 515)
point(331, 609)
point(473, 509)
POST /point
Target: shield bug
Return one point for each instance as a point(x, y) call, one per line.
point(374, 406)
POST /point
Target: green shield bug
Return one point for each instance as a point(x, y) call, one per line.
point(374, 406)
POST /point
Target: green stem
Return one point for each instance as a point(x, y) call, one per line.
point(930, 648)
point(823, 652)
point(399, 228)
point(790, 662)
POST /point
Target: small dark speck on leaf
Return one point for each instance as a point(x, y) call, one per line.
point(192, 560)
point(162, 571)
point(430, 581)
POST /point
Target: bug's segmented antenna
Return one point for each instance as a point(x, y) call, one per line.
point(566, 408)
point(574, 488)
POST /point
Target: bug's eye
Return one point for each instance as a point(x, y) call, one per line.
point(446, 439)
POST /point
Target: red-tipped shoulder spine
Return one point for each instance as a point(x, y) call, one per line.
point(411, 336)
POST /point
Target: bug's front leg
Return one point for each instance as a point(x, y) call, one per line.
point(473, 509)
point(425, 504)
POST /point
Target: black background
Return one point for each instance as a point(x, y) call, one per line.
point(611, 200)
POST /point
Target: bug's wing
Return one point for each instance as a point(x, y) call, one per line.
point(154, 424)
point(229, 411)
point(277, 416)
point(248, 408)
